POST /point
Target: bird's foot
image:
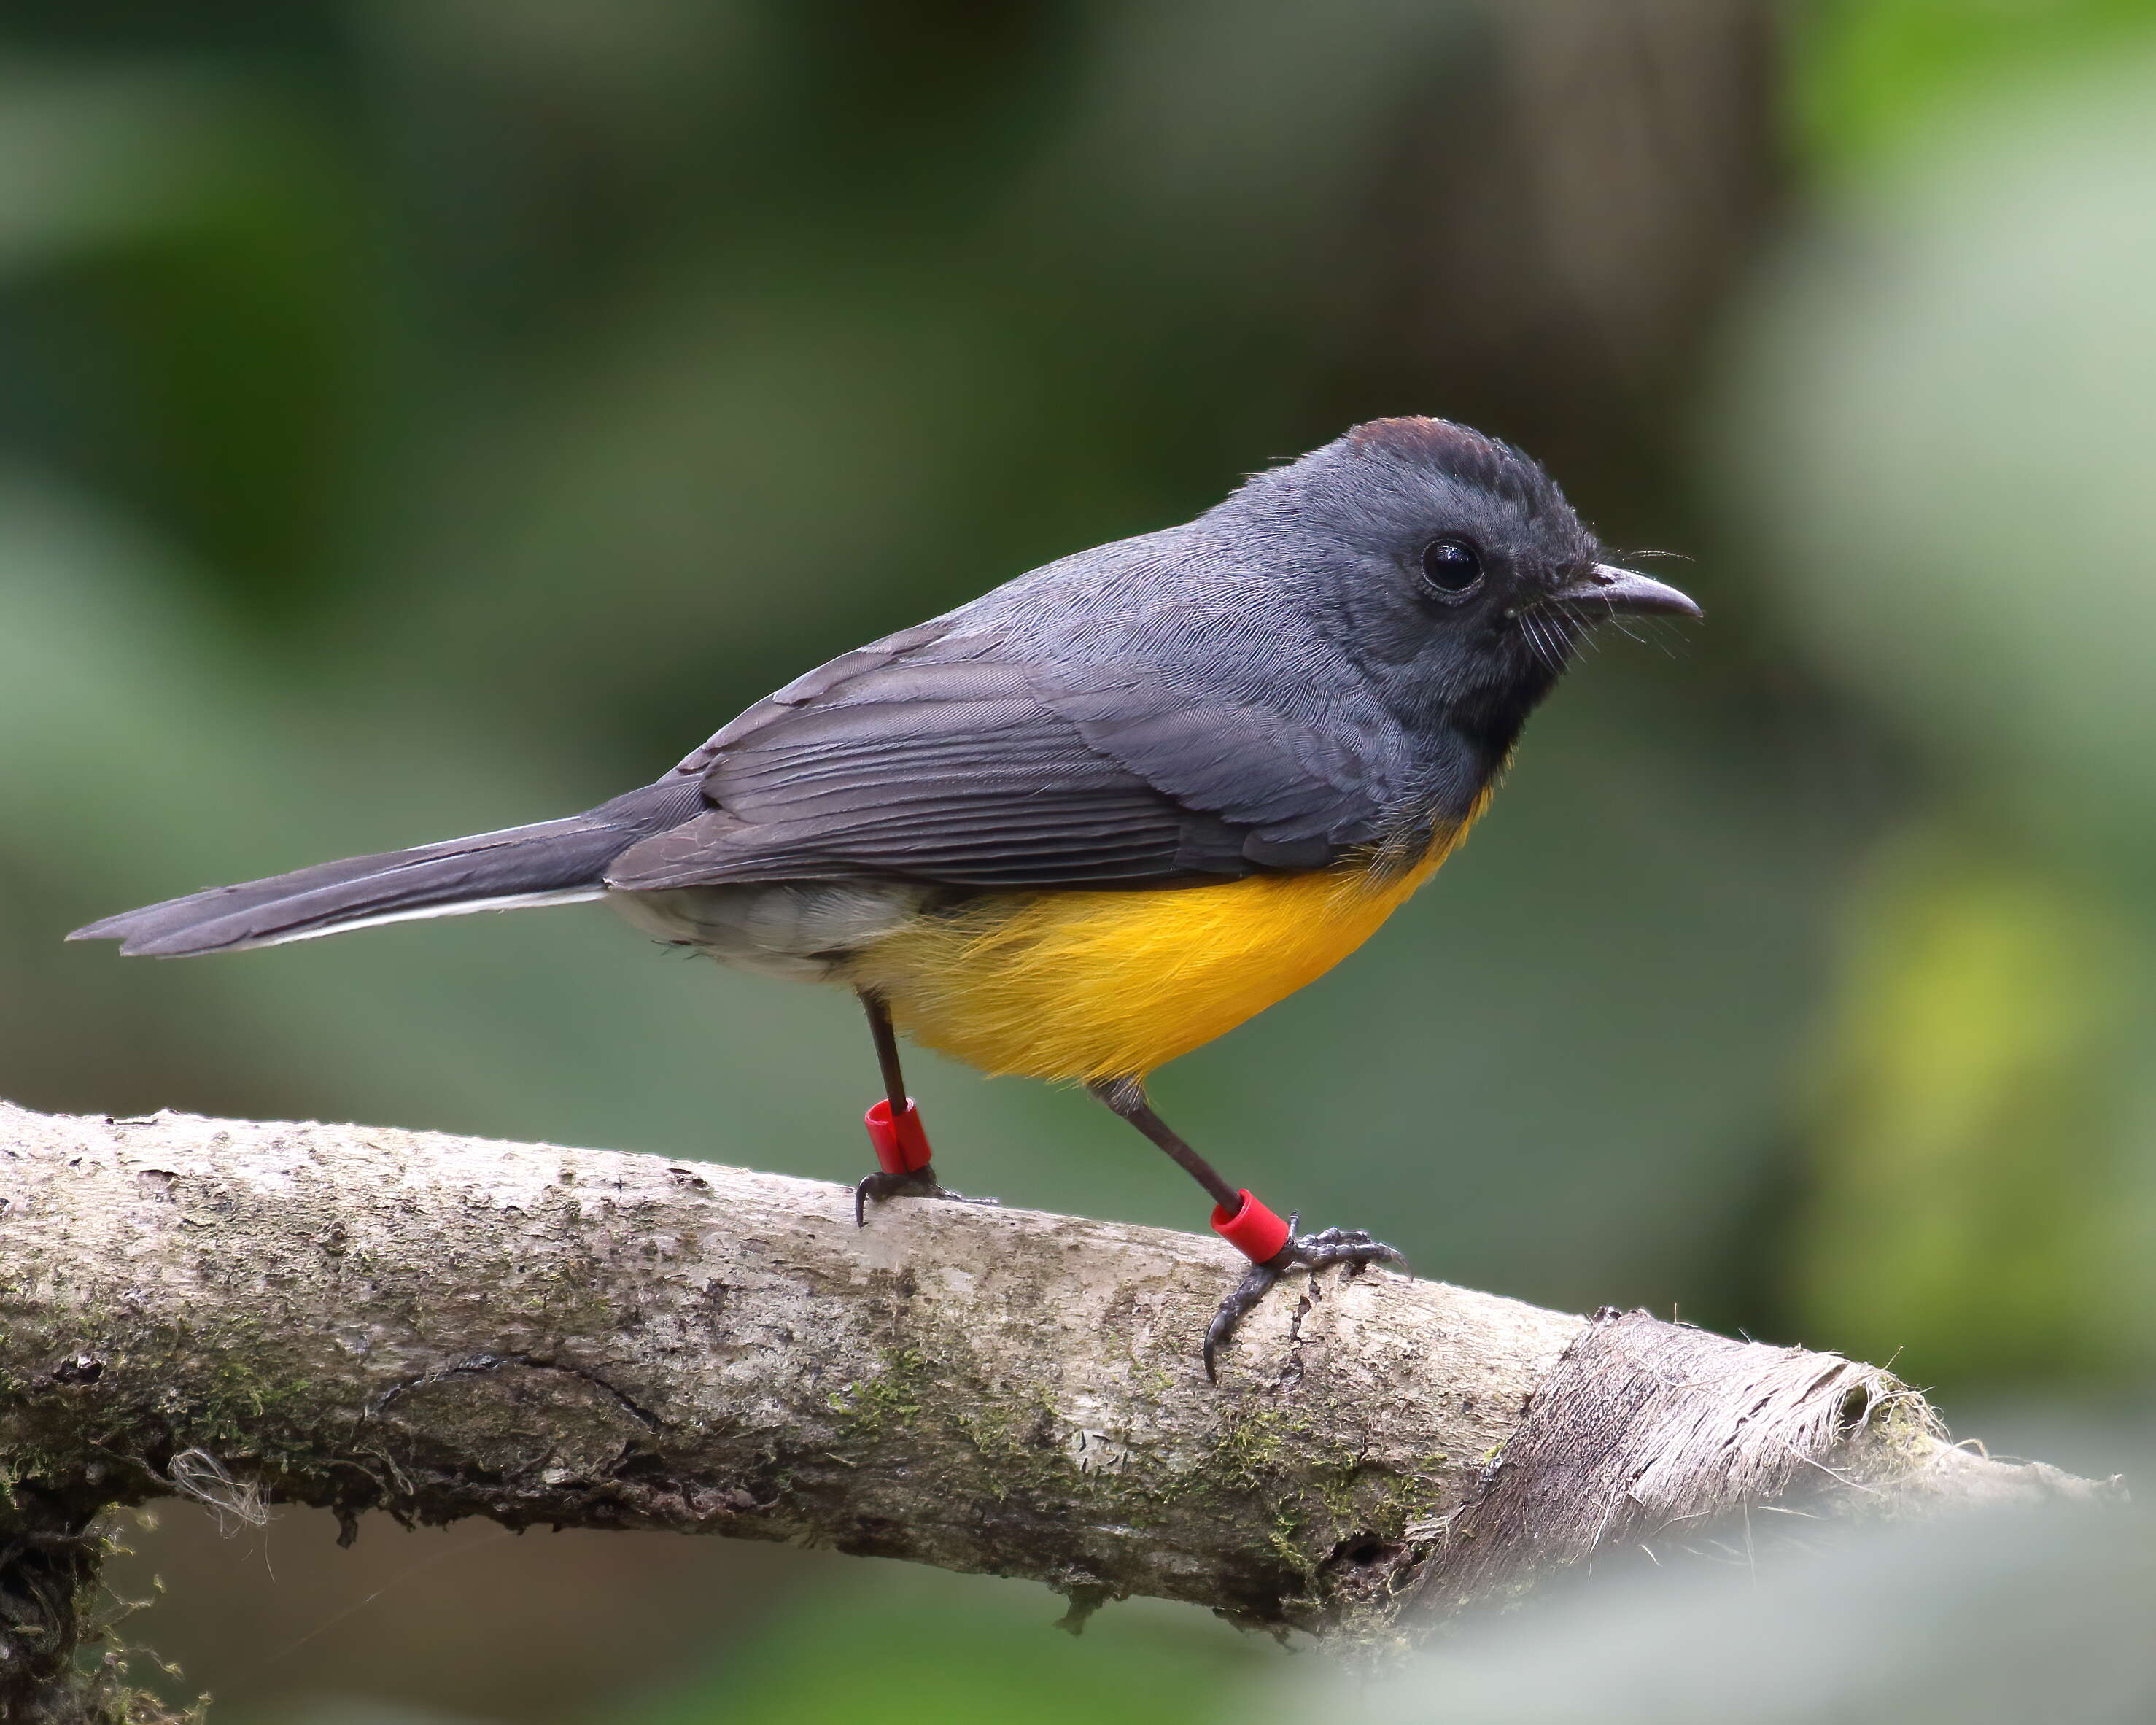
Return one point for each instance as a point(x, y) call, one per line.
point(903, 1169)
point(913, 1182)
point(1351, 1246)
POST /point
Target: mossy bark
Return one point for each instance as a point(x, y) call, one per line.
point(362, 1318)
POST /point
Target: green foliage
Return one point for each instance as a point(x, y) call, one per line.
point(1941, 412)
point(958, 1648)
point(1870, 72)
point(1970, 1177)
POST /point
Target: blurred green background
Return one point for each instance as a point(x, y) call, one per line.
point(421, 416)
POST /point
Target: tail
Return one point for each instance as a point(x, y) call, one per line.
point(552, 863)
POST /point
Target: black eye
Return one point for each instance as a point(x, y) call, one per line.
point(1452, 568)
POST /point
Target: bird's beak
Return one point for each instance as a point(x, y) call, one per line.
point(1625, 590)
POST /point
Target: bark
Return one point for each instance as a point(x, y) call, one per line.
point(362, 1318)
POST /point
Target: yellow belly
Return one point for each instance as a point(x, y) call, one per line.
point(1099, 985)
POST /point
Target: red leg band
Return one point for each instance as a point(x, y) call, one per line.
point(901, 1146)
point(1253, 1231)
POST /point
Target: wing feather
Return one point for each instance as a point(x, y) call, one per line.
point(947, 757)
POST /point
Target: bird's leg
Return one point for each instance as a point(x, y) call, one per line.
point(1273, 1246)
point(895, 1128)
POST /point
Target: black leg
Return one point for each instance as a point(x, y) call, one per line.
point(1352, 1247)
point(887, 1183)
point(1126, 1096)
point(886, 1047)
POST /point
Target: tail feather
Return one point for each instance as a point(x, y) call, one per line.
point(552, 862)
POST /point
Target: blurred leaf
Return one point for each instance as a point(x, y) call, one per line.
point(198, 246)
point(954, 1651)
point(1966, 1216)
point(88, 160)
point(1943, 420)
point(2000, 1618)
point(1870, 72)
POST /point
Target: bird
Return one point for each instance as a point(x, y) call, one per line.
point(1094, 819)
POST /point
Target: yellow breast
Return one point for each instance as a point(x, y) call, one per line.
point(1099, 985)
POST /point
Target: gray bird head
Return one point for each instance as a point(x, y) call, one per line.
point(1447, 563)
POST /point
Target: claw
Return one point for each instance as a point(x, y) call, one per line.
point(1352, 1246)
point(921, 1183)
point(1256, 1281)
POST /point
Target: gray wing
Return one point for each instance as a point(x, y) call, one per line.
point(947, 757)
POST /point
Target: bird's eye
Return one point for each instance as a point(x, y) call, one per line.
point(1451, 568)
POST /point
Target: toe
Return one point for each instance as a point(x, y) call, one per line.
point(1244, 1295)
point(1352, 1246)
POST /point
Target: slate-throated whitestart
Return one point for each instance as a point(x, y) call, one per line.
point(1094, 818)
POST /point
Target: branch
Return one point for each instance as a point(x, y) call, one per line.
point(362, 1318)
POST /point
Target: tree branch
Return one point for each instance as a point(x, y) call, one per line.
point(362, 1318)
